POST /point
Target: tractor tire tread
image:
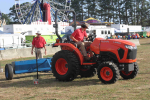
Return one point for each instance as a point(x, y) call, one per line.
point(114, 69)
point(71, 57)
point(9, 68)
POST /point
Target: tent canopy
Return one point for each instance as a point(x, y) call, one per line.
point(92, 20)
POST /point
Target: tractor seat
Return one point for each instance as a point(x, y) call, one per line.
point(72, 42)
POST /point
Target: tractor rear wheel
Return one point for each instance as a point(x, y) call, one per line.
point(87, 72)
point(131, 74)
point(65, 65)
point(108, 72)
point(8, 71)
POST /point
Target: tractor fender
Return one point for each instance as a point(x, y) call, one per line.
point(73, 48)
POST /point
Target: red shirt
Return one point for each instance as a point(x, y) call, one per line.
point(79, 35)
point(39, 42)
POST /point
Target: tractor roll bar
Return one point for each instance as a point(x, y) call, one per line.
point(56, 24)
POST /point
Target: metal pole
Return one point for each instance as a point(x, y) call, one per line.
point(36, 63)
point(3, 43)
point(29, 13)
point(56, 24)
point(56, 27)
point(40, 9)
point(33, 11)
point(135, 12)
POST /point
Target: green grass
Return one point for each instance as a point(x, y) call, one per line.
point(22, 87)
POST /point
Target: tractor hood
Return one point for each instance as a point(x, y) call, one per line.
point(120, 41)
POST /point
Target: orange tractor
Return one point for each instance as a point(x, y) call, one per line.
point(113, 57)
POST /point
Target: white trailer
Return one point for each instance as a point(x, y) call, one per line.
point(122, 28)
point(10, 40)
point(104, 32)
point(30, 29)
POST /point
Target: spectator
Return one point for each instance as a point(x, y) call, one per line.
point(38, 43)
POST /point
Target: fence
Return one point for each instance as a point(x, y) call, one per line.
point(17, 46)
point(12, 53)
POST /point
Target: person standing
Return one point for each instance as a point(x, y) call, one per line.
point(38, 43)
point(78, 35)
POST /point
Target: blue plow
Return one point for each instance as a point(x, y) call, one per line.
point(27, 66)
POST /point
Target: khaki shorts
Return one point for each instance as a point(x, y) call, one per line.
point(39, 52)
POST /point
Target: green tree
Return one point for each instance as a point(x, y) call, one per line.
point(24, 10)
point(78, 6)
point(13, 14)
point(6, 17)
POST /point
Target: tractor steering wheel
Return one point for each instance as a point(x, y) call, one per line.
point(92, 37)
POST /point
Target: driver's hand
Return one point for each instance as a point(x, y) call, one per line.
point(87, 38)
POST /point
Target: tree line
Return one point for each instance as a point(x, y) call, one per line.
point(132, 12)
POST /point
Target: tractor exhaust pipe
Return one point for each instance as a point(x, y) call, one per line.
point(56, 24)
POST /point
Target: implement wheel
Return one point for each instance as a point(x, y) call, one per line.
point(108, 72)
point(65, 65)
point(8, 72)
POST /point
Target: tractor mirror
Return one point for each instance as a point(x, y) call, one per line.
point(55, 25)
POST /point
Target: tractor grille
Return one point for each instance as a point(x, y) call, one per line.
point(121, 53)
point(132, 54)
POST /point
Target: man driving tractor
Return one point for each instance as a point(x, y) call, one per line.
point(78, 35)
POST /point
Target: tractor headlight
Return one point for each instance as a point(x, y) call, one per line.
point(130, 47)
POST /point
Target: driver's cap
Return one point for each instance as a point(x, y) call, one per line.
point(85, 25)
point(38, 32)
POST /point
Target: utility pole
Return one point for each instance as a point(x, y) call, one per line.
point(135, 12)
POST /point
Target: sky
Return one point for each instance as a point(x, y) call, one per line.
point(6, 4)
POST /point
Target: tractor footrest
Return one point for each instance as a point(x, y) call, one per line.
point(89, 63)
point(53, 45)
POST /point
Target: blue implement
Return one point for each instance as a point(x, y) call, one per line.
point(29, 66)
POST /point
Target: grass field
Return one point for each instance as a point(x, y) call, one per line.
point(22, 87)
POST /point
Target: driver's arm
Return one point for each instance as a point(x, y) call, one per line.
point(87, 37)
point(73, 38)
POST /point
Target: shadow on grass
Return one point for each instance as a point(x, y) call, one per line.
point(145, 44)
point(23, 81)
point(50, 83)
point(143, 73)
point(15, 76)
point(40, 75)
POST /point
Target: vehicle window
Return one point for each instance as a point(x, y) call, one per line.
point(87, 31)
point(102, 32)
point(105, 32)
point(108, 32)
point(94, 31)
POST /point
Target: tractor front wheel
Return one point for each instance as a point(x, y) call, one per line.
point(108, 72)
point(65, 65)
point(131, 74)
